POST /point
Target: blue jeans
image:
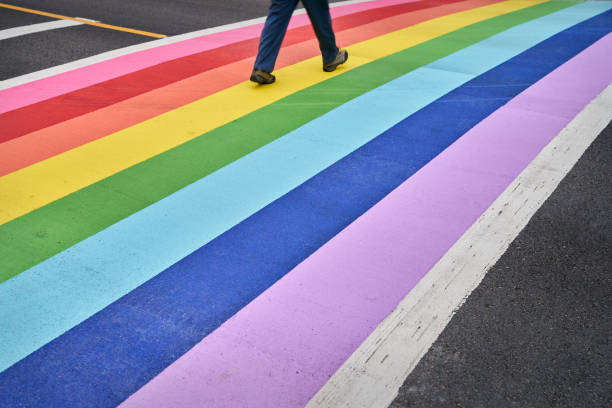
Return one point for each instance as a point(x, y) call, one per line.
point(276, 26)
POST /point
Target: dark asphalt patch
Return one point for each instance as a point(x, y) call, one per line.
point(157, 16)
point(11, 18)
point(537, 331)
point(33, 52)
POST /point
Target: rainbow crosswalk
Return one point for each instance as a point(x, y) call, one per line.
point(174, 236)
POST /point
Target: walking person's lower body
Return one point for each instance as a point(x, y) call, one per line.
point(274, 31)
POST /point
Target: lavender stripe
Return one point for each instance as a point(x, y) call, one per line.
point(282, 347)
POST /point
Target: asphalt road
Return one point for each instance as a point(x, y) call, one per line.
point(12, 18)
point(537, 331)
point(157, 16)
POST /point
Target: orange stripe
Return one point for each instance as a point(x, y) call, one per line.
point(60, 108)
point(42, 144)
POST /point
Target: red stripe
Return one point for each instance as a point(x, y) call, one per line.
point(46, 113)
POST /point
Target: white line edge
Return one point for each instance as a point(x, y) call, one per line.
point(69, 66)
point(36, 28)
point(87, 19)
point(372, 376)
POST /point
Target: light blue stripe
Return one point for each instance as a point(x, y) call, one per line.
point(41, 303)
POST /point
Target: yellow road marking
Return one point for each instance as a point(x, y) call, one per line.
point(80, 20)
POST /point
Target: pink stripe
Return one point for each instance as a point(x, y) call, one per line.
point(282, 347)
point(36, 91)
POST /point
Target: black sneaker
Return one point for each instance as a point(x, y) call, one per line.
point(262, 77)
point(340, 59)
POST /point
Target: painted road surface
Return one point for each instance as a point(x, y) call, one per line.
point(173, 235)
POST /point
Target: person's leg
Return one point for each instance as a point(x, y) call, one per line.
point(273, 33)
point(318, 12)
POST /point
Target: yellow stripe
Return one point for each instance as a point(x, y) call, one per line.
point(56, 177)
point(80, 20)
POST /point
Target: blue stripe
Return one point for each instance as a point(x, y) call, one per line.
point(75, 284)
point(109, 356)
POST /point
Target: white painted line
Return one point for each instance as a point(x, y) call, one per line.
point(33, 76)
point(371, 377)
point(87, 19)
point(35, 28)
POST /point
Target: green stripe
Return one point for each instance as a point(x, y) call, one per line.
point(55, 227)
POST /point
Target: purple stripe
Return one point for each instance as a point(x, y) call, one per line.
point(282, 347)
